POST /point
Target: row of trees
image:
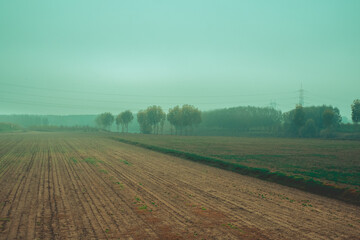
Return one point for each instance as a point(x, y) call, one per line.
point(302, 121)
point(311, 121)
point(105, 120)
point(242, 119)
point(152, 119)
point(124, 119)
point(184, 118)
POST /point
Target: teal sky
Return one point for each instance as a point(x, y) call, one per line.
point(78, 57)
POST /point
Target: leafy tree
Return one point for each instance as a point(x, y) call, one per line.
point(173, 117)
point(299, 116)
point(355, 111)
point(142, 118)
point(190, 116)
point(155, 115)
point(328, 117)
point(105, 120)
point(321, 115)
point(162, 122)
point(118, 122)
point(309, 130)
point(126, 118)
point(184, 118)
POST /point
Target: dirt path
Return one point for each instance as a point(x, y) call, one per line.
point(81, 186)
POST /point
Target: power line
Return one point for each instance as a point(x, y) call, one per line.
point(101, 93)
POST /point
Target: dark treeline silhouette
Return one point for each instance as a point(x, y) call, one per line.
point(233, 121)
point(312, 121)
point(355, 111)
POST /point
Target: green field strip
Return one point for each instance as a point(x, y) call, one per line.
point(310, 185)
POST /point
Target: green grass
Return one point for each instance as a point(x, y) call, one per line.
point(332, 161)
point(92, 161)
point(126, 162)
point(143, 207)
point(74, 160)
point(10, 127)
point(103, 171)
point(324, 167)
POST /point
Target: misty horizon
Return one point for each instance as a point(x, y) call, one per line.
point(89, 57)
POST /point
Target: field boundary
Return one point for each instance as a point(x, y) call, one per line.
point(348, 195)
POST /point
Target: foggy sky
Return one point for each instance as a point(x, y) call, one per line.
point(86, 57)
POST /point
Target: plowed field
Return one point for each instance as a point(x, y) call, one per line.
point(84, 186)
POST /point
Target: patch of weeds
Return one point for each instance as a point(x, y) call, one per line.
point(92, 161)
point(351, 225)
point(143, 207)
point(107, 230)
point(202, 208)
point(126, 162)
point(285, 198)
point(262, 196)
point(140, 184)
point(232, 226)
point(74, 160)
point(153, 203)
point(5, 219)
point(103, 171)
point(119, 183)
point(306, 205)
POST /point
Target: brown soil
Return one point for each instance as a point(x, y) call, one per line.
point(82, 186)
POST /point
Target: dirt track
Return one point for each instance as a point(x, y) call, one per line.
point(81, 186)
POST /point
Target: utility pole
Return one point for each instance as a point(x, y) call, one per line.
point(301, 96)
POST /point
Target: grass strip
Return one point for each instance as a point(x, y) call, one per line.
point(310, 185)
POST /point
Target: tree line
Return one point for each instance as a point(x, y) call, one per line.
point(152, 119)
point(242, 119)
point(312, 121)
